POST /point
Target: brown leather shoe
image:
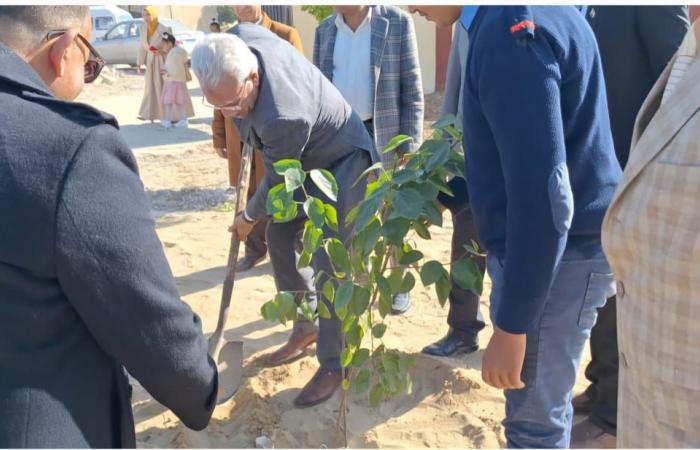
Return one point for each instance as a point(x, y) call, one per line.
point(582, 404)
point(294, 348)
point(586, 434)
point(321, 387)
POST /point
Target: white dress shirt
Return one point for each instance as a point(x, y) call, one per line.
point(352, 73)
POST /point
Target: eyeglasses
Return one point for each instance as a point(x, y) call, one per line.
point(94, 62)
point(234, 107)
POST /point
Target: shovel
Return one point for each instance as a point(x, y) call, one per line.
point(229, 354)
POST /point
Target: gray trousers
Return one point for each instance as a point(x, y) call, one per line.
point(464, 314)
point(281, 238)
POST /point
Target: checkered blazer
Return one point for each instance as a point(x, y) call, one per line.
point(396, 77)
point(651, 235)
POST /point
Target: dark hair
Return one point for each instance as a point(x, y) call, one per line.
point(167, 37)
point(24, 25)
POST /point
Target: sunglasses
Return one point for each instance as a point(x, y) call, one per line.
point(94, 63)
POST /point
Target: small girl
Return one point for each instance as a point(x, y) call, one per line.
point(177, 104)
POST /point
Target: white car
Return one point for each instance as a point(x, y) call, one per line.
point(120, 44)
point(104, 17)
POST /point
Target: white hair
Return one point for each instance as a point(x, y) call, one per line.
point(218, 54)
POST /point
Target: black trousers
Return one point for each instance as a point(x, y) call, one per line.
point(602, 371)
point(464, 314)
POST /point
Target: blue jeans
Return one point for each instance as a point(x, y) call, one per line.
point(540, 415)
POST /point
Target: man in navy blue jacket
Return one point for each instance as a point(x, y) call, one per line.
point(541, 171)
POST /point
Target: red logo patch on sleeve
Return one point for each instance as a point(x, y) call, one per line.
point(522, 25)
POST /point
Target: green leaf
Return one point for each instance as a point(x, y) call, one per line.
point(367, 210)
point(379, 187)
point(395, 142)
point(376, 395)
point(360, 300)
point(385, 303)
point(329, 291)
point(323, 310)
point(294, 179)
point(431, 272)
point(362, 381)
point(409, 281)
point(360, 357)
point(304, 259)
point(307, 311)
point(280, 204)
point(346, 357)
point(376, 166)
point(325, 181)
point(383, 285)
point(432, 213)
point(283, 165)
point(343, 296)
point(346, 384)
point(367, 238)
point(405, 175)
point(467, 275)
point(446, 120)
point(406, 203)
point(421, 229)
point(410, 257)
point(286, 306)
point(349, 322)
point(313, 237)
point(354, 335)
point(378, 330)
point(442, 289)
point(395, 230)
point(269, 311)
point(438, 153)
point(339, 255)
point(331, 216)
point(395, 280)
point(315, 211)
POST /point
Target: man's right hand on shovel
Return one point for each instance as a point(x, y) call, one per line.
point(242, 226)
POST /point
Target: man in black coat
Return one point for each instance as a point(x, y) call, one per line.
point(85, 289)
point(636, 43)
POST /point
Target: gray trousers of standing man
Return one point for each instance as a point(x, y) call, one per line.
point(282, 236)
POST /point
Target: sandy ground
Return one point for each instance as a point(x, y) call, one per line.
point(187, 183)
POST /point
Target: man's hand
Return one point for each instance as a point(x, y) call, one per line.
point(503, 360)
point(222, 152)
point(242, 227)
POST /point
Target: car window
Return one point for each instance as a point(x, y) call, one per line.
point(118, 32)
point(103, 23)
point(135, 30)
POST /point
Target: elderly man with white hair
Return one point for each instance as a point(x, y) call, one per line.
point(288, 109)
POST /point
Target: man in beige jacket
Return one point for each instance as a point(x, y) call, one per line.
point(651, 236)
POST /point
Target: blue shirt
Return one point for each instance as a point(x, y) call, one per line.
point(540, 163)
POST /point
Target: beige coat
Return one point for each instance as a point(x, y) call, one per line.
point(151, 108)
point(651, 236)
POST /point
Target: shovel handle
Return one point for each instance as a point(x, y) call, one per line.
point(216, 340)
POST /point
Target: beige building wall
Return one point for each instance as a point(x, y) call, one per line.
point(195, 17)
point(425, 35)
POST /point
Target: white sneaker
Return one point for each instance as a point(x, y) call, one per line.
point(166, 124)
point(181, 124)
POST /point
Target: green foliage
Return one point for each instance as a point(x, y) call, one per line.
point(226, 14)
point(320, 12)
point(379, 262)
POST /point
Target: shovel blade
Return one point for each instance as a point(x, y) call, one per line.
point(230, 367)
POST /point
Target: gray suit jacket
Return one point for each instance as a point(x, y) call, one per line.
point(396, 76)
point(299, 114)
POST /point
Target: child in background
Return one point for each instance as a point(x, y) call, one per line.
point(177, 104)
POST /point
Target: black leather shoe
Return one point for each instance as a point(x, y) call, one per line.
point(456, 342)
point(248, 262)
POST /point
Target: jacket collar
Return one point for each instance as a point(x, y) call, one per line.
point(657, 124)
point(16, 71)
